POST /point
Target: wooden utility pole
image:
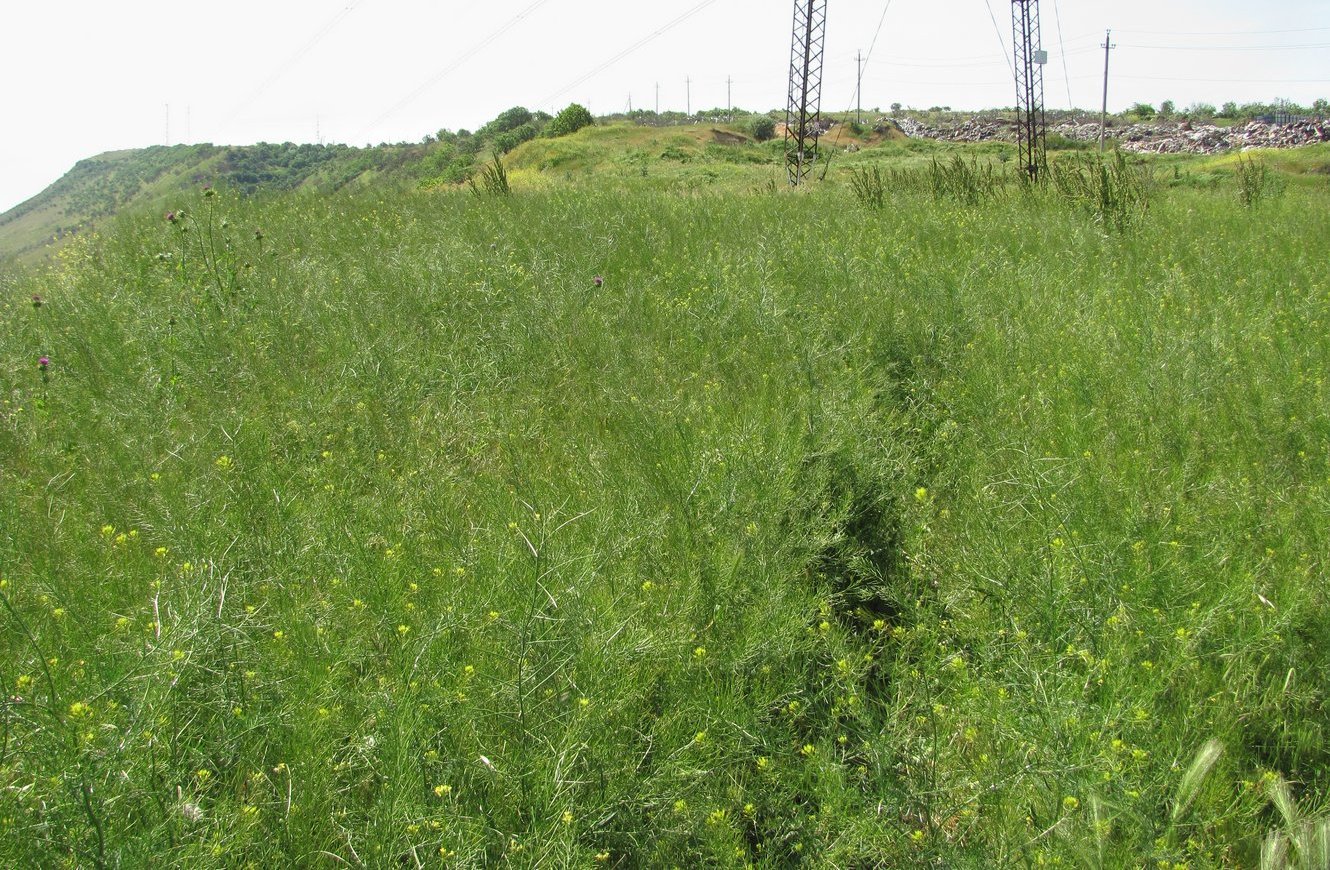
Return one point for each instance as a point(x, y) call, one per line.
point(859, 86)
point(1103, 112)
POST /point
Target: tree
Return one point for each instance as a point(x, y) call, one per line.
point(507, 141)
point(762, 128)
point(1228, 110)
point(1144, 111)
point(1166, 109)
point(1321, 107)
point(506, 120)
point(895, 108)
point(570, 120)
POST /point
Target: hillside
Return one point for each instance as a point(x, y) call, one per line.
point(100, 187)
point(677, 155)
point(916, 518)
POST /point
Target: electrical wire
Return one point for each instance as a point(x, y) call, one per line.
point(627, 51)
point(858, 84)
point(1062, 49)
point(1222, 32)
point(291, 61)
point(864, 61)
point(1228, 81)
point(457, 63)
point(876, 33)
point(1316, 46)
point(1010, 65)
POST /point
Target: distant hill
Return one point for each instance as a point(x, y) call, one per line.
point(102, 186)
point(664, 151)
point(97, 188)
point(670, 150)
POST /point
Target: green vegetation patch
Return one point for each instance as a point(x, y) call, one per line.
point(629, 528)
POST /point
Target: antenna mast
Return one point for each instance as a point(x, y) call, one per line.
point(1030, 60)
point(803, 112)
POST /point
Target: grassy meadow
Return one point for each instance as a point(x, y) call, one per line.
point(372, 530)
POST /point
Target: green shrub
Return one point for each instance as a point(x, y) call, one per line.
point(508, 140)
point(762, 128)
point(570, 120)
point(1255, 181)
point(508, 120)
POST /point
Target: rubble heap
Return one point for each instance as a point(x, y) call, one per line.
point(1184, 138)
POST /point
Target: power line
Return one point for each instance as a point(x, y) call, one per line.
point(461, 59)
point(872, 45)
point(291, 61)
point(993, 60)
point(1062, 49)
point(858, 85)
point(997, 30)
point(627, 51)
point(1317, 46)
point(1229, 81)
point(1223, 32)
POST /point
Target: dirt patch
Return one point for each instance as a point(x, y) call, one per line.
point(725, 137)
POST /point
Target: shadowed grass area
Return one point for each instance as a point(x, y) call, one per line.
point(370, 530)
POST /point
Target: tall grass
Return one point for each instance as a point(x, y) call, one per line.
point(943, 535)
point(1116, 193)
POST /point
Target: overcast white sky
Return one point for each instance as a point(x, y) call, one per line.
point(82, 77)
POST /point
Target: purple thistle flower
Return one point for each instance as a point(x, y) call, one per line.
point(598, 281)
point(44, 362)
point(37, 300)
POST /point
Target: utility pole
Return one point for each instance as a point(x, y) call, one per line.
point(657, 98)
point(1103, 112)
point(859, 86)
point(729, 98)
point(688, 97)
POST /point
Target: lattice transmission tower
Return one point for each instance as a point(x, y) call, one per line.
point(1030, 60)
point(803, 112)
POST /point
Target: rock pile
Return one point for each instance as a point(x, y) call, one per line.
point(973, 130)
point(1206, 139)
point(1184, 138)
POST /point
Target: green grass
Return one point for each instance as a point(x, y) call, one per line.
point(868, 537)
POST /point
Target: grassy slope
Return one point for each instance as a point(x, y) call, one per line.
point(97, 188)
point(148, 179)
point(940, 532)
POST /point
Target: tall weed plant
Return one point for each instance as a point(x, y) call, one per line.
point(1256, 182)
point(1113, 190)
